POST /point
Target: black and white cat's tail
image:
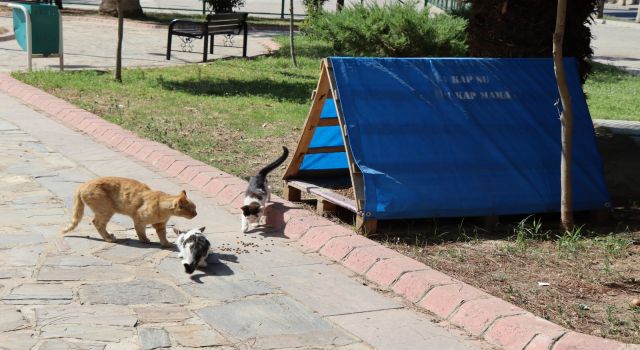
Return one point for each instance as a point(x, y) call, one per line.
point(269, 168)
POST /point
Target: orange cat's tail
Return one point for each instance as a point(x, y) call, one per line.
point(78, 212)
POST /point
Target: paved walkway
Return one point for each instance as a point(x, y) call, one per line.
point(79, 292)
point(617, 43)
point(91, 43)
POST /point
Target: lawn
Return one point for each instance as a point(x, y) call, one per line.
point(612, 93)
point(236, 114)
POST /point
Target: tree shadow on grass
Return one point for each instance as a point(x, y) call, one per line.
point(296, 92)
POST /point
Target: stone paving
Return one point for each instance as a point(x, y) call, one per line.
point(79, 292)
point(90, 43)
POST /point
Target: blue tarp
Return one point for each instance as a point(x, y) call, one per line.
point(450, 137)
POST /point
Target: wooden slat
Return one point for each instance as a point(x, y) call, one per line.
point(310, 124)
point(333, 149)
point(324, 193)
point(328, 122)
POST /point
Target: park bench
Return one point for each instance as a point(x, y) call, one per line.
point(216, 24)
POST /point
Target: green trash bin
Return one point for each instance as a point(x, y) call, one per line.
point(44, 23)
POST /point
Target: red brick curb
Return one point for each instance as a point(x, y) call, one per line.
point(497, 321)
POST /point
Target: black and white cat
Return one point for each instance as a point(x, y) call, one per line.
point(259, 193)
point(193, 248)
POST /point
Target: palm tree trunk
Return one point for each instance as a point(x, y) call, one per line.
point(566, 119)
point(118, 73)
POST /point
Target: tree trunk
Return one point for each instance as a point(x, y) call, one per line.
point(130, 8)
point(566, 119)
point(118, 72)
point(293, 51)
point(339, 5)
point(600, 9)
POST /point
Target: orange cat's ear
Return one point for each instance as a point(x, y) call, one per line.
point(182, 198)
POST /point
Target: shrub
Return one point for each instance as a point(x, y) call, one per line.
point(393, 29)
point(223, 6)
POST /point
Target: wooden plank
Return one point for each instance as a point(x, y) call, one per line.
point(356, 181)
point(319, 98)
point(328, 122)
point(333, 149)
point(324, 193)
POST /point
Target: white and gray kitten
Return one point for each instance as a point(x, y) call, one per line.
point(193, 248)
point(259, 193)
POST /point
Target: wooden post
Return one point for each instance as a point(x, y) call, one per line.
point(366, 227)
point(292, 194)
point(566, 119)
point(325, 207)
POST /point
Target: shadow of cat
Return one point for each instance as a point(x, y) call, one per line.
point(130, 242)
point(215, 267)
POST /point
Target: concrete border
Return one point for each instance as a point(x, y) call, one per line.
point(493, 319)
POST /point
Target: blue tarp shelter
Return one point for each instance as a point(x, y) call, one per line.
point(448, 137)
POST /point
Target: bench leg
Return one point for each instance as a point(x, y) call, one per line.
point(211, 45)
point(206, 48)
point(169, 46)
point(244, 44)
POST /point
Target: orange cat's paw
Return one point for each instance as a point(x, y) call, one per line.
point(166, 244)
point(111, 239)
point(145, 240)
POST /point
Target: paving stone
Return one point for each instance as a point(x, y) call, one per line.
point(75, 261)
point(162, 314)
point(153, 338)
point(11, 318)
point(127, 251)
point(39, 294)
point(6, 273)
point(59, 344)
point(399, 329)
point(17, 239)
point(86, 332)
point(131, 293)
point(328, 283)
point(195, 335)
point(108, 315)
point(23, 340)
point(89, 273)
point(23, 256)
point(273, 322)
point(216, 281)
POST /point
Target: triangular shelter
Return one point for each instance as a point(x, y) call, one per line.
point(447, 137)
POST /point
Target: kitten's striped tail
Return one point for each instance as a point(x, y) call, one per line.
point(78, 212)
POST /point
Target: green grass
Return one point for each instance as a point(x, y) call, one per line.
point(612, 93)
point(234, 114)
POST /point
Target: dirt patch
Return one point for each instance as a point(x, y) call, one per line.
point(593, 276)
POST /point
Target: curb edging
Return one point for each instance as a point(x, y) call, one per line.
point(493, 319)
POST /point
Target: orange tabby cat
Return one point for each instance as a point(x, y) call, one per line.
point(109, 195)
